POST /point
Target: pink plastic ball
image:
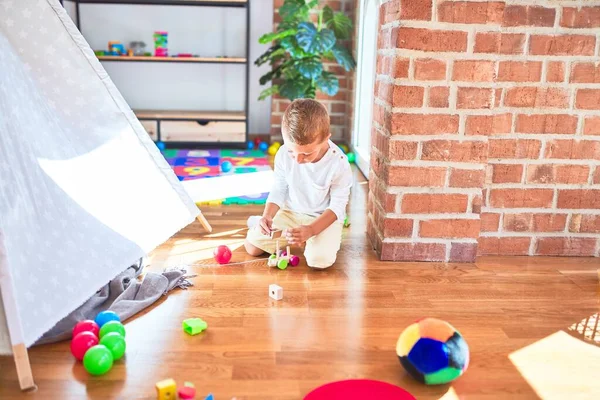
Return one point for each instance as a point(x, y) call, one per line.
point(81, 343)
point(86, 326)
point(294, 261)
point(222, 254)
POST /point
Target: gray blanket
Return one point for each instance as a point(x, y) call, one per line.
point(126, 295)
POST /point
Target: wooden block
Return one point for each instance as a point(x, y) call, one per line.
point(166, 390)
point(275, 292)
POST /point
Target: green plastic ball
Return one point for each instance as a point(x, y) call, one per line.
point(115, 343)
point(112, 326)
point(98, 360)
point(351, 157)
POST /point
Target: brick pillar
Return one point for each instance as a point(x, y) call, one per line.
point(427, 171)
point(486, 105)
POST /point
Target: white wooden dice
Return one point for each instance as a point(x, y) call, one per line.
point(275, 292)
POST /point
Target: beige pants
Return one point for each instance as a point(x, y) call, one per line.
point(320, 251)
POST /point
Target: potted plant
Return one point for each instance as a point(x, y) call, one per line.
point(299, 48)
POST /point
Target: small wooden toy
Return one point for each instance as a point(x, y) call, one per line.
point(193, 326)
point(278, 260)
point(166, 390)
point(188, 391)
point(275, 292)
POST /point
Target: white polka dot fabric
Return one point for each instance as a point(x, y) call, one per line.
point(83, 190)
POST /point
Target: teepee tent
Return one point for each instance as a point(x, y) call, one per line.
point(83, 190)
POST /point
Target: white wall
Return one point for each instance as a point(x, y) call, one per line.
point(206, 31)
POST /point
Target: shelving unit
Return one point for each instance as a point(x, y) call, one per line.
point(164, 119)
point(201, 60)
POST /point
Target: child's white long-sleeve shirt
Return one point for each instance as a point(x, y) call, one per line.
point(312, 188)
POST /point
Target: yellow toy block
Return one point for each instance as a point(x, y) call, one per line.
point(166, 390)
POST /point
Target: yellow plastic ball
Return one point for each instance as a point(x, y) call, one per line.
point(276, 144)
point(272, 150)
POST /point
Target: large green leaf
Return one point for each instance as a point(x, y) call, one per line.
point(268, 92)
point(296, 10)
point(294, 89)
point(327, 14)
point(277, 55)
point(275, 72)
point(340, 24)
point(313, 41)
point(343, 57)
point(310, 68)
point(267, 55)
point(269, 37)
point(291, 46)
point(328, 83)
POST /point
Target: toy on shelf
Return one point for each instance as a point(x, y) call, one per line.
point(161, 43)
point(100, 53)
point(226, 166)
point(263, 146)
point(351, 157)
point(250, 145)
point(188, 391)
point(344, 148)
point(222, 254)
point(161, 145)
point(137, 48)
point(194, 326)
point(166, 390)
point(346, 222)
point(275, 292)
point(116, 47)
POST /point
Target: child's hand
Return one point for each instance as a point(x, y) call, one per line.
point(299, 235)
point(265, 224)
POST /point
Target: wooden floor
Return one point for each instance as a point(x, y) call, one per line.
point(530, 323)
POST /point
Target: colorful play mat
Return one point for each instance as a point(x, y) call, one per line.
point(200, 164)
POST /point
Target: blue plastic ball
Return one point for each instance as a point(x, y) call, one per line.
point(226, 166)
point(250, 145)
point(161, 145)
point(263, 146)
point(106, 316)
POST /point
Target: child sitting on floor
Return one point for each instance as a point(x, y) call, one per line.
point(311, 189)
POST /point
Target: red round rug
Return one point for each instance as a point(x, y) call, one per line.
point(359, 389)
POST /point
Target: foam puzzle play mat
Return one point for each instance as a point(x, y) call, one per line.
point(201, 164)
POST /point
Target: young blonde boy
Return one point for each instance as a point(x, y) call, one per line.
point(311, 189)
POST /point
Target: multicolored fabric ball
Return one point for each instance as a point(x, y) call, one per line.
point(433, 351)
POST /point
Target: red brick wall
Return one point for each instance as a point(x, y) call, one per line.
point(486, 136)
point(340, 105)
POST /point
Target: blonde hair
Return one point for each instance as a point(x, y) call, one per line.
point(306, 121)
